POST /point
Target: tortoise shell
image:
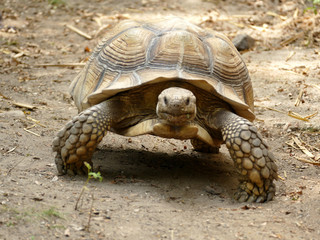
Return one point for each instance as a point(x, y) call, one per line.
point(134, 54)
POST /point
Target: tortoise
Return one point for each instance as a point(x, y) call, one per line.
point(172, 79)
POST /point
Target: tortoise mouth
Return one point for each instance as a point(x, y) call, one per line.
point(177, 119)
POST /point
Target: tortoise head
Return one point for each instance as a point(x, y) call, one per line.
point(176, 106)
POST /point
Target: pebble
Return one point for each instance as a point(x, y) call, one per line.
point(243, 42)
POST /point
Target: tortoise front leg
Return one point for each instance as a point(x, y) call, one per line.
point(77, 141)
point(251, 156)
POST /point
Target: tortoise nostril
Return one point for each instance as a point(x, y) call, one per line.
point(165, 100)
point(188, 101)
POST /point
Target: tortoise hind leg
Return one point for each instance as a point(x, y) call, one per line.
point(201, 146)
point(251, 156)
point(77, 141)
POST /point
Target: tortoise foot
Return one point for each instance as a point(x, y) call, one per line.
point(249, 192)
point(252, 158)
point(77, 141)
point(200, 146)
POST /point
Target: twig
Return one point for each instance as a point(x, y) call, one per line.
point(290, 56)
point(23, 105)
point(12, 149)
point(298, 100)
point(102, 28)
point(35, 121)
point(277, 15)
point(311, 115)
point(314, 85)
point(80, 195)
point(302, 148)
point(27, 130)
point(297, 116)
point(307, 161)
point(290, 113)
point(272, 109)
point(291, 39)
point(78, 31)
point(90, 214)
point(60, 65)
point(14, 166)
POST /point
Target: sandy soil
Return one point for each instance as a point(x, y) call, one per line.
point(154, 188)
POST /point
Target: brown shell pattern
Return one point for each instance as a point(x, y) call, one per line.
point(135, 53)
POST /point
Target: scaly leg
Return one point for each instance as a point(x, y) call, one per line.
point(251, 156)
point(77, 141)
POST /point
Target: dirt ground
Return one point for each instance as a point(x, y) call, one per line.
point(155, 188)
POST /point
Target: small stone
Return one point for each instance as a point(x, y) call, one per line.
point(244, 172)
point(243, 42)
point(265, 172)
point(95, 114)
point(86, 128)
point(247, 164)
point(245, 135)
point(245, 147)
point(239, 160)
point(256, 152)
point(261, 162)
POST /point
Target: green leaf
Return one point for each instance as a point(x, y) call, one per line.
point(88, 166)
